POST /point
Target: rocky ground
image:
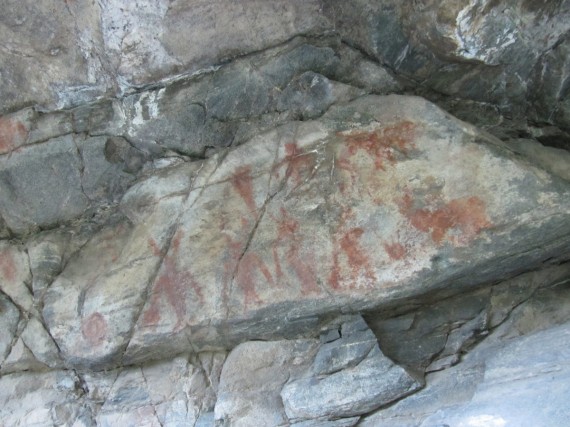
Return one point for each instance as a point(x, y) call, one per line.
point(308, 213)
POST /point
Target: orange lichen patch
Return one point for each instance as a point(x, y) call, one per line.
point(466, 214)
point(380, 144)
point(172, 285)
point(243, 184)
point(298, 164)
point(94, 328)
point(7, 266)
point(13, 134)
point(396, 251)
point(288, 236)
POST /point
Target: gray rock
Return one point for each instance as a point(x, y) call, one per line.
point(281, 382)
point(46, 253)
point(15, 276)
point(548, 92)
point(41, 185)
point(374, 382)
point(52, 51)
point(21, 358)
point(252, 378)
point(15, 130)
point(348, 351)
point(205, 420)
point(517, 361)
point(84, 51)
point(343, 422)
point(310, 94)
point(439, 332)
point(105, 181)
point(41, 344)
point(162, 394)
point(477, 50)
point(9, 318)
point(41, 399)
point(554, 160)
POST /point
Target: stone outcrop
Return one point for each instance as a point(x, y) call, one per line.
point(305, 213)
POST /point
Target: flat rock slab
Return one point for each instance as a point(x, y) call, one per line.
point(381, 200)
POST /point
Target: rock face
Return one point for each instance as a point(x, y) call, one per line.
point(280, 225)
point(288, 213)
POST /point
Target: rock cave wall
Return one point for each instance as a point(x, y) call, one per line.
point(307, 213)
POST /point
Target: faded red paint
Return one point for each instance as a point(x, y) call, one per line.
point(94, 328)
point(7, 265)
point(298, 164)
point(347, 244)
point(379, 144)
point(335, 276)
point(234, 249)
point(172, 285)
point(249, 266)
point(243, 184)
point(467, 214)
point(13, 134)
point(357, 258)
point(396, 251)
point(288, 236)
point(154, 247)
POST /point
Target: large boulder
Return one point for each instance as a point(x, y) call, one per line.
point(382, 200)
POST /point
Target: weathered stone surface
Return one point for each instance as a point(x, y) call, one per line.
point(354, 344)
point(179, 177)
point(54, 54)
point(376, 381)
point(438, 332)
point(103, 180)
point(343, 422)
point(165, 394)
point(15, 276)
point(142, 56)
point(86, 50)
point(41, 399)
point(46, 253)
point(524, 362)
point(170, 393)
point(283, 383)
point(554, 160)
point(9, 317)
point(508, 55)
point(282, 234)
point(40, 343)
point(41, 186)
point(355, 386)
point(252, 378)
point(108, 301)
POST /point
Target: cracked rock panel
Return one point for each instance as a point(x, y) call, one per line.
point(279, 227)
